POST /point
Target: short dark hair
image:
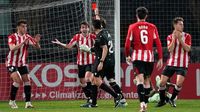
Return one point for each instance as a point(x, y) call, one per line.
point(96, 23)
point(21, 21)
point(142, 12)
point(177, 19)
point(85, 23)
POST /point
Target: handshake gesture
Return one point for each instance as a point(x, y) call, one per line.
point(84, 48)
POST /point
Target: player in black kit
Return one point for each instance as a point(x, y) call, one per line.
point(104, 62)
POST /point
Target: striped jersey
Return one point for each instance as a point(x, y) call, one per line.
point(179, 57)
point(18, 57)
point(84, 58)
point(142, 35)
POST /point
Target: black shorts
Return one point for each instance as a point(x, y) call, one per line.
point(170, 70)
point(108, 70)
point(22, 70)
point(82, 69)
point(141, 67)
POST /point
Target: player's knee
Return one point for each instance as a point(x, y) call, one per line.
point(88, 74)
point(16, 84)
point(88, 79)
point(17, 80)
point(140, 79)
point(179, 83)
point(147, 82)
point(163, 83)
point(82, 80)
point(83, 84)
point(28, 83)
point(98, 82)
point(147, 85)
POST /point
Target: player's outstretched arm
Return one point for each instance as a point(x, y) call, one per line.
point(67, 46)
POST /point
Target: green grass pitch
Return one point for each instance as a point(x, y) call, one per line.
point(104, 106)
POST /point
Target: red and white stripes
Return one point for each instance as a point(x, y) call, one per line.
point(179, 57)
point(84, 58)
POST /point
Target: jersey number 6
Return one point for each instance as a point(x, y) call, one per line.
point(143, 36)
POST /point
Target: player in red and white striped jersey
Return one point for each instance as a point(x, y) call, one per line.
point(16, 61)
point(84, 59)
point(18, 57)
point(143, 34)
point(179, 45)
point(178, 57)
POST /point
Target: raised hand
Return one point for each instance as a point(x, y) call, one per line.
point(56, 41)
point(178, 35)
point(37, 38)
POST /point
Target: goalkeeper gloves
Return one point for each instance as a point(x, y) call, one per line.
point(84, 48)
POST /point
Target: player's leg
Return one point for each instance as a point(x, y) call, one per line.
point(117, 90)
point(181, 72)
point(147, 81)
point(27, 85)
point(85, 87)
point(139, 70)
point(153, 89)
point(94, 90)
point(141, 91)
point(147, 89)
point(110, 76)
point(98, 81)
point(162, 90)
point(83, 83)
point(15, 76)
point(167, 73)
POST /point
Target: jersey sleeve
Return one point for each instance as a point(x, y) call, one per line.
point(169, 40)
point(129, 38)
point(188, 40)
point(158, 43)
point(31, 40)
point(73, 40)
point(11, 39)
